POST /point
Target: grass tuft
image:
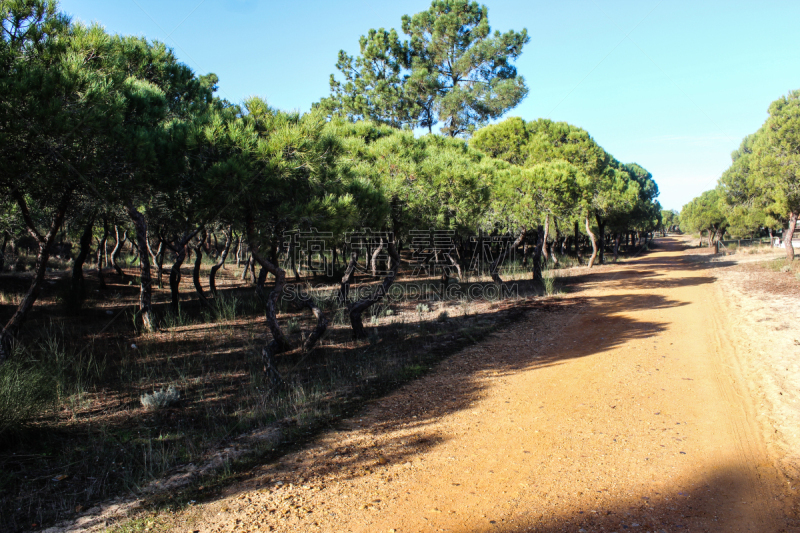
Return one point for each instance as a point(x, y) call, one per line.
point(160, 399)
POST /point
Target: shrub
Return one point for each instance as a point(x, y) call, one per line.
point(160, 399)
point(423, 308)
point(443, 316)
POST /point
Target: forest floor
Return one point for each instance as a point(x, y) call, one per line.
point(648, 405)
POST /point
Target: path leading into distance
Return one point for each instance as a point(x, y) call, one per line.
point(625, 408)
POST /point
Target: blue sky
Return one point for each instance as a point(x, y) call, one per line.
point(672, 85)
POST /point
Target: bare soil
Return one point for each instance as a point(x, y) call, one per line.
point(636, 409)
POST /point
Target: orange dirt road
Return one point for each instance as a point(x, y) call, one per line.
point(627, 408)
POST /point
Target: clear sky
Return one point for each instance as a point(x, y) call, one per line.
point(673, 85)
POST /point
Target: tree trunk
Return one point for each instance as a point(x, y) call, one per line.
point(102, 255)
point(3, 252)
point(145, 279)
point(12, 328)
point(452, 261)
point(578, 253)
point(344, 287)
point(246, 267)
point(105, 243)
point(374, 261)
point(175, 276)
point(545, 246)
point(153, 255)
point(198, 261)
point(292, 261)
point(319, 330)
point(594, 243)
point(162, 250)
point(537, 253)
point(260, 283)
point(251, 270)
point(180, 249)
point(554, 249)
point(279, 343)
point(601, 229)
point(356, 309)
point(788, 236)
point(617, 237)
point(78, 288)
point(221, 262)
point(118, 249)
point(495, 266)
point(239, 252)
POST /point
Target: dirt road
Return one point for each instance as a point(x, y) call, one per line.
point(628, 410)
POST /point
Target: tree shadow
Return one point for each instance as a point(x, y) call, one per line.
point(722, 501)
point(402, 421)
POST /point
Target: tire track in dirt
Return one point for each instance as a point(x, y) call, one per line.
point(626, 411)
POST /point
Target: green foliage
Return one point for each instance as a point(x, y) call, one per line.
point(669, 218)
point(776, 158)
point(761, 188)
point(704, 214)
point(568, 175)
point(451, 70)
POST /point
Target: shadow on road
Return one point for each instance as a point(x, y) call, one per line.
point(694, 507)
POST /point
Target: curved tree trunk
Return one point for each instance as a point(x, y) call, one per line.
point(261, 281)
point(146, 282)
point(279, 343)
point(374, 261)
point(495, 266)
point(12, 328)
point(77, 282)
point(175, 277)
point(452, 261)
point(594, 243)
point(344, 287)
point(221, 262)
point(790, 233)
point(157, 258)
point(246, 267)
point(180, 249)
point(356, 309)
point(117, 249)
point(198, 261)
point(322, 325)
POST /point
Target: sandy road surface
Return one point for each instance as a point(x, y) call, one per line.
point(627, 411)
